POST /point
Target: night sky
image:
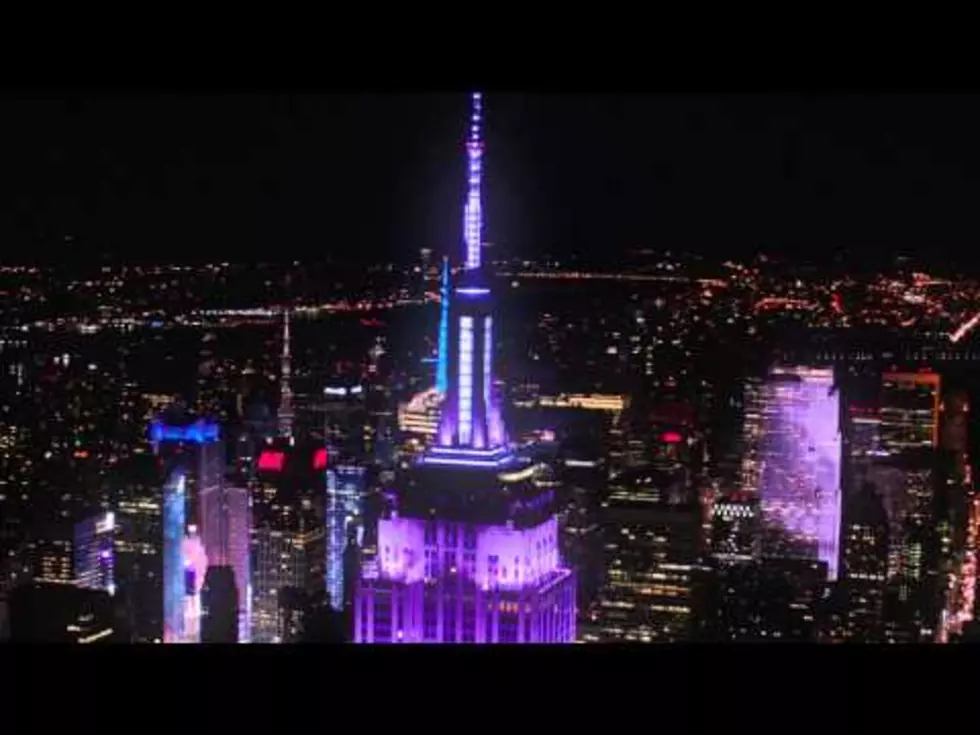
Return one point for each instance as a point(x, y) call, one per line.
point(271, 177)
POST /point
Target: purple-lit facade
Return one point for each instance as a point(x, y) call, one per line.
point(446, 582)
point(468, 550)
point(799, 465)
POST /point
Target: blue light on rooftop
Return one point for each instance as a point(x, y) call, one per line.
point(200, 432)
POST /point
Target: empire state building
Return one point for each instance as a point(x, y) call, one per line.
point(467, 551)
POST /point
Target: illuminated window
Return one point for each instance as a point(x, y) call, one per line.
point(465, 379)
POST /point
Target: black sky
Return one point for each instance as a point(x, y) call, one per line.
point(295, 176)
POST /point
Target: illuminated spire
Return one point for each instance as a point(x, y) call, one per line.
point(286, 393)
point(442, 367)
point(471, 429)
point(473, 210)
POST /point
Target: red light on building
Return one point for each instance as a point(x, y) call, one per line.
point(671, 437)
point(320, 459)
point(271, 461)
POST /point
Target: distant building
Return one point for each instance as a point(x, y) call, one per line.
point(49, 559)
point(418, 418)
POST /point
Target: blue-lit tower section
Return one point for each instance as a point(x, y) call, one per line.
point(442, 366)
point(174, 580)
point(471, 428)
point(467, 549)
point(345, 487)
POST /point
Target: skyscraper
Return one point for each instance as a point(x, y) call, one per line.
point(138, 565)
point(652, 535)
point(909, 411)
point(226, 514)
point(174, 583)
point(285, 389)
point(468, 549)
point(95, 553)
point(904, 472)
point(345, 490)
point(798, 465)
point(192, 459)
point(197, 449)
point(288, 550)
point(865, 561)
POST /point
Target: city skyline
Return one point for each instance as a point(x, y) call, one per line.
point(478, 443)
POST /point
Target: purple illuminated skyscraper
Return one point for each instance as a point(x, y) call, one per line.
point(467, 551)
point(798, 465)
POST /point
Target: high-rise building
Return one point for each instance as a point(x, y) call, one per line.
point(197, 449)
point(865, 568)
point(794, 464)
point(288, 539)
point(345, 493)
point(138, 566)
point(193, 462)
point(226, 512)
point(95, 553)
point(652, 536)
point(468, 551)
point(285, 388)
point(909, 413)
point(174, 582)
point(903, 473)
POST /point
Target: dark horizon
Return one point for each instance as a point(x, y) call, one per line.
point(370, 177)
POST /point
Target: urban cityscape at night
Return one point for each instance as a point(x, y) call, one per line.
point(459, 436)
